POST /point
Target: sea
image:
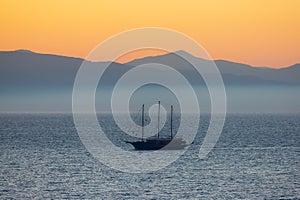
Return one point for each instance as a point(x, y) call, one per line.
point(256, 157)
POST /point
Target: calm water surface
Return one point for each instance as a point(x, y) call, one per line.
point(257, 157)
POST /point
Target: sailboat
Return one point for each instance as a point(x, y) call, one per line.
point(159, 143)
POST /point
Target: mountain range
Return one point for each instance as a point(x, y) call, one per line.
point(25, 74)
point(26, 68)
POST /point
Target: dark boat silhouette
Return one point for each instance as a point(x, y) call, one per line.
point(159, 143)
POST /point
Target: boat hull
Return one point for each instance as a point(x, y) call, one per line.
point(166, 144)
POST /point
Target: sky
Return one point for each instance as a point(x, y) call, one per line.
point(255, 32)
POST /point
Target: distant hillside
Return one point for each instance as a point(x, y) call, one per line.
point(233, 73)
point(43, 82)
point(22, 67)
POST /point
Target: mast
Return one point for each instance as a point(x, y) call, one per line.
point(143, 108)
point(171, 121)
point(158, 119)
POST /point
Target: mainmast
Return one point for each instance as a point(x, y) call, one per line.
point(171, 121)
point(143, 108)
point(158, 120)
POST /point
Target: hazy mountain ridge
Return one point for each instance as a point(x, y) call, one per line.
point(288, 75)
point(23, 68)
point(43, 82)
point(35, 70)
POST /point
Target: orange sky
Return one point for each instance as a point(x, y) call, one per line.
point(256, 32)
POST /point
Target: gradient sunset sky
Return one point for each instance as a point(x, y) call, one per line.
point(255, 32)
